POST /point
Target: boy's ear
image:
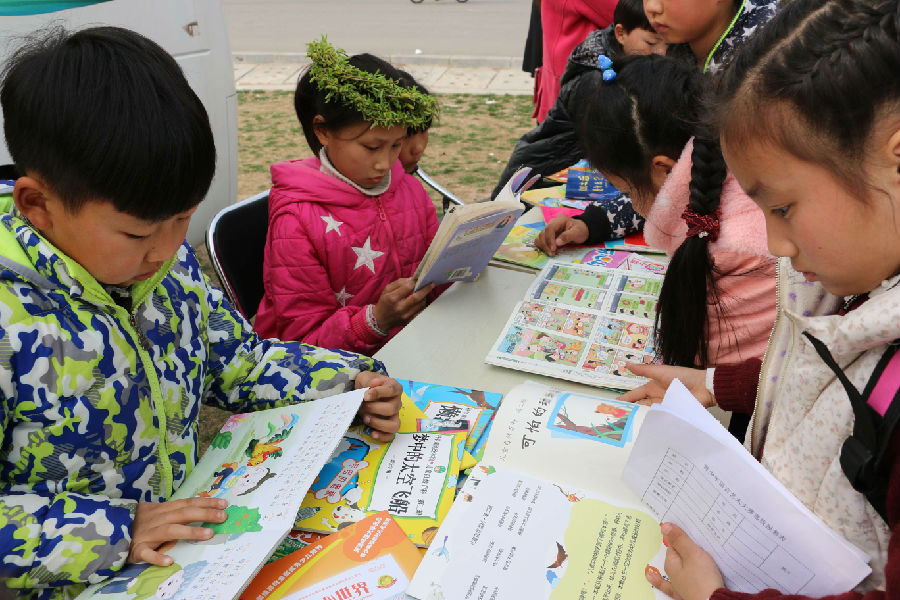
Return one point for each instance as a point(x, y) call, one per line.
point(320, 130)
point(31, 198)
point(660, 167)
point(620, 33)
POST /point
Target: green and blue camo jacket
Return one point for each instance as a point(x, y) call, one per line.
point(99, 406)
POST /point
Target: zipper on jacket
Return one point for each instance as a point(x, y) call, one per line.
point(383, 217)
point(142, 346)
point(776, 330)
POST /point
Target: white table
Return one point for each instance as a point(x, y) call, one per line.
point(447, 342)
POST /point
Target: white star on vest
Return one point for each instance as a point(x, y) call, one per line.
point(342, 296)
point(332, 224)
point(366, 256)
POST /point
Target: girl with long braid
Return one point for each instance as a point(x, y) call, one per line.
point(636, 129)
point(809, 124)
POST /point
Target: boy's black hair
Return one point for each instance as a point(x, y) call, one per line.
point(630, 15)
point(106, 114)
point(649, 109)
point(407, 80)
point(309, 101)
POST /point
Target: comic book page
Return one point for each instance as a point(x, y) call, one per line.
point(261, 463)
point(511, 535)
point(572, 439)
point(370, 560)
point(582, 323)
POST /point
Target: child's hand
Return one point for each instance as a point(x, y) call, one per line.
point(159, 523)
point(398, 304)
point(660, 377)
point(380, 409)
point(693, 574)
point(561, 231)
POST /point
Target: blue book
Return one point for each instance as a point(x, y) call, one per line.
point(584, 183)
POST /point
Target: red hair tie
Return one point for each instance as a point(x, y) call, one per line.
point(702, 225)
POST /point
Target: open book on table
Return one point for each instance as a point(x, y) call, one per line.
point(470, 234)
point(568, 500)
point(582, 323)
point(262, 463)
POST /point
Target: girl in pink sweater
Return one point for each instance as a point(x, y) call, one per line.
point(635, 129)
point(347, 227)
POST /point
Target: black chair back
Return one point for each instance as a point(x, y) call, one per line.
point(236, 240)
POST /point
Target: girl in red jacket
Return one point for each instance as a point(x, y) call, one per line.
point(347, 227)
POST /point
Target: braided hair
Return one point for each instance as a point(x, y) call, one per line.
point(815, 81)
point(689, 290)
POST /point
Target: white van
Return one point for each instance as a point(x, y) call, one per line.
point(193, 31)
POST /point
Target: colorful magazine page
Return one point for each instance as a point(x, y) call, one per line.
point(582, 323)
point(448, 402)
point(562, 436)
point(634, 242)
point(513, 535)
point(550, 212)
point(548, 196)
point(584, 183)
point(262, 463)
point(413, 477)
point(412, 418)
point(370, 560)
point(296, 539)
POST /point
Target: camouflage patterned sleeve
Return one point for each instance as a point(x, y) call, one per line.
point(64, 539)
point(248, 373)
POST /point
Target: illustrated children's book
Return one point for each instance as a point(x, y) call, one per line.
point(549, 514)
point(470, 234)
point(262, 463)
point(413, 477)
point(582, 323)
point(584, 183)
point(370, 560)
point(447, 402)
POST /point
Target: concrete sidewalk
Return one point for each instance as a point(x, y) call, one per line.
point(440, 74)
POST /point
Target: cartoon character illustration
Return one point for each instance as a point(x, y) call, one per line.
point(556, 568)
point(241, 519)
point(270, 445)
point(617, 412)
point(344, 516)
point(611, 430)
point(570, 496)
point(239, 480)
point(349, 448)
point(386, 581)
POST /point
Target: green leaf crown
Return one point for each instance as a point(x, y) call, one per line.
point(379, 99)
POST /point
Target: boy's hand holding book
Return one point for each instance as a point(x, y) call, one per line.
point(160, 524)
point(380, 409)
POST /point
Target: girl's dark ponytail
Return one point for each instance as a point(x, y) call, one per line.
point(689, 290)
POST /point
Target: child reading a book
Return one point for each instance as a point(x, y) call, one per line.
point(347, 227)
point(720, 264)
point(552, 146)
point(416, 137)
point(111, 334)
point(808, 120)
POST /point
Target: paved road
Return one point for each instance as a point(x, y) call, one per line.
point(477, 28)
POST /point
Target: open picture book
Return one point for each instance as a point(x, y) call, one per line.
point(470, 234)
point(568, 500)
point(262, 463)
point(583, 323)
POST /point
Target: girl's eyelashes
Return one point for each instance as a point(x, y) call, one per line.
point(781, 211)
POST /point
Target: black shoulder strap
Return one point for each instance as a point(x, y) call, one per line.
point(863, 453)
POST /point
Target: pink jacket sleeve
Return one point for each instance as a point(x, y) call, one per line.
point(302, 297)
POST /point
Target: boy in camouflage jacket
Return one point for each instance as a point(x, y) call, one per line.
point(110, 335)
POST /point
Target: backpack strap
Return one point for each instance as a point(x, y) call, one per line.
point(876, 413)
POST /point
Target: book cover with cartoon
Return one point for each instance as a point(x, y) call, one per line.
point(370, 560)
point(583, 323)
point(448, 402)
point(413, 477)
point(260, 462)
